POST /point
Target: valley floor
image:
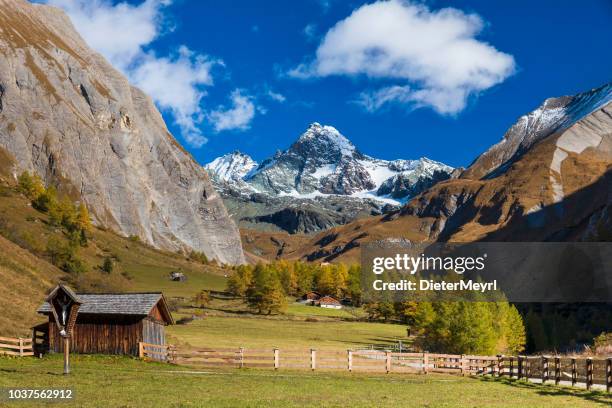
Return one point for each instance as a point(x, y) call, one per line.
point(102, 381)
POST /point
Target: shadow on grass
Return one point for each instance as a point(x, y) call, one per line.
point(600, 397)
point(377, 342)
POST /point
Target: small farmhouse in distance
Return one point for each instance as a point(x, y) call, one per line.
point(329, 302)
point(316, 299)
point(110, 323)
point(310, 298)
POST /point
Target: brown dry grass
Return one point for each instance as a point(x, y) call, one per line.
point(25, 280)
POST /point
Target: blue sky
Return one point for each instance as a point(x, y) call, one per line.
point(251, 75)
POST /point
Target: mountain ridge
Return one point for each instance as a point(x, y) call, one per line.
point(324, 161)
point(558, 189)
point(321, 180)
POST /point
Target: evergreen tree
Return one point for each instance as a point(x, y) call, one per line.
point(287, 277)
point(266, 293)
point(326, 284)
point(239, 282)
point(107, 265)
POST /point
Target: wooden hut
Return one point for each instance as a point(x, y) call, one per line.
point(111, 323)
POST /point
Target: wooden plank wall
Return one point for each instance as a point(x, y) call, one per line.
point(100, 335)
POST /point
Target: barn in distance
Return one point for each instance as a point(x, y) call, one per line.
point(109, 323)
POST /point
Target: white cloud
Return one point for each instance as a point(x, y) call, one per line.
point(119, 32)
point(175, 84)
point(372, 101)
point(123, 32)
point(433, 56)
point(236, 117)
point(275, 96)
point(310, 31)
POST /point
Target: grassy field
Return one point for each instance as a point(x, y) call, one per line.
point(299, 309)
point(283, 332)
point(123, 382)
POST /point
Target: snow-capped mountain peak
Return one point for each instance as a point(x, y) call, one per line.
point(328, 137)
point(324, 162)
point(231, 166)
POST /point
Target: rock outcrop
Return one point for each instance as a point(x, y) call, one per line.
point(68, 115)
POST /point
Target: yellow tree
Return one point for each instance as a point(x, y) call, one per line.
point(30, 185)
point(83, 220)
point(326, 282)
point(341, 278)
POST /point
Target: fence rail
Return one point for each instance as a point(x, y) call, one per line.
point(547, 369)
point(16, 346)
point(158, 352)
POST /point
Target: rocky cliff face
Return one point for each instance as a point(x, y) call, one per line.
point(555, 115)
point(66, 114)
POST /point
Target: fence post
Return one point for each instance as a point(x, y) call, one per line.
point(500, 365)
point(574, 373)
point(140, 349)
point(241, 351)
point(520, 366)
point(425, 362)
point(388, 361)
point(528, 362)
point(608, 374)
point(276, 359)
point(20, 347)
point(557, 370)
point(462, 365)
point(589, 373)
point(349, 354)
point(544, 369)
point(313, 359)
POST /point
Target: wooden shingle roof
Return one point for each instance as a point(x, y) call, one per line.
point(134, 304)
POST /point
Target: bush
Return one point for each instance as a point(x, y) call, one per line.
point(63, 255)
point(202, 299)
point(603, 343)
point(107, 265)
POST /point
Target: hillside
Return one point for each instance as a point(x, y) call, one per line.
point(552, 185)
point(69, 116)
point(27, 273)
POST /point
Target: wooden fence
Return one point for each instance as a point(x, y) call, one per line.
point(558, 369)
point(351, 360)
point(156, 352)
point(16, 346)
point(546, 369)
